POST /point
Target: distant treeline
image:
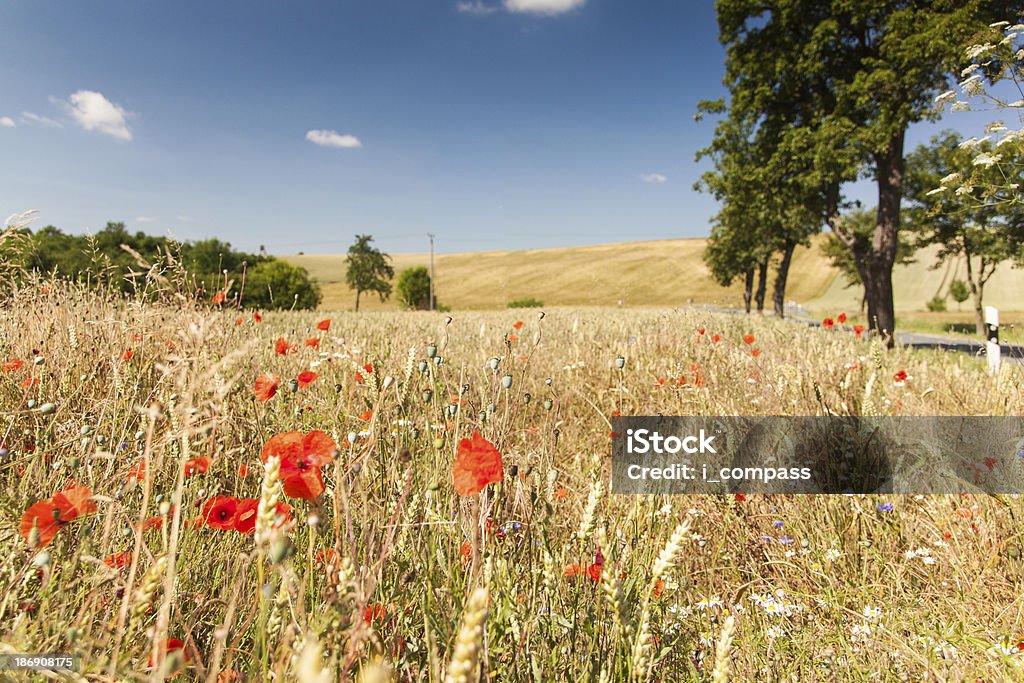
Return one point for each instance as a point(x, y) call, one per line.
point(202, 268)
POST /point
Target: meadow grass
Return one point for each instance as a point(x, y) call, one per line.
point(390, 575)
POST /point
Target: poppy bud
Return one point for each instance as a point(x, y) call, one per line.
point(84, 378)
point(415, 433)
point(527, 398)
point(438, 360)
point(86, 429)
point(548, 381)
point(431, 351)
point(164, 508)
point(293, 385)
point(351, 437)
point(31, 403)
point(506, 381)
point(38, 360)
point(548, 404)
point(101, 439)
point(433, 486)
point(439, 443)
point(493, 363)
point(423, 367)
point(483, 416)
point(452, 409)
point(620, 362)
point(427, 395)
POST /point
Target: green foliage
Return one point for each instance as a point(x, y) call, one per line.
point(204, 266)
point(414, 288)
point(936, 304)
point(860, 227)
point(959, 291)
point(368, 269)
point(276, 284)
point(525, 303)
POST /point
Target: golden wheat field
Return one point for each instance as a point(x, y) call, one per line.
point(203, 495)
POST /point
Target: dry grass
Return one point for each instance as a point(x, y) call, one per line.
point(482, 577)
point(657, 273)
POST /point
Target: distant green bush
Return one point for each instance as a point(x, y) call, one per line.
point(414, 288)
point(276, 284)
point(937, 304)
point(525, 303)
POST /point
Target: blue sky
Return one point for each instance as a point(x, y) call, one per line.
point(495, 124)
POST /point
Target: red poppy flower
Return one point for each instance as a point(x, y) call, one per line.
point(245, 515)
point(755, 352)
point(118, 560)
point(467, 550)
point(74, 499)
point(374, 612)
point(153, 523)
point(518, 324)
point(323, 325)
point(243, 471)
point(220, 512)
point(366, 415)
point(219, 298)
point(327, 557)
point(572, 570)
point(659, 588)
point(282, 347)
point(858, 330)
point(300, 478)
point(127, 355)
point(197, 465)
point(715, 338)
point(266, 387)
point(594, 572)
point(828, 323)
point(900, 377)
point(368, 367)
point(317, 446)
point(513, 339)
point(137, 472)
point(748, 339)
point(841, 318)
point(477, 464)
point(560, 493)
point(47, 516)
point(305, 378)
point(257, 317)
point(29, 382)
point(312, 342)
point(13, 364)
point(170, 645)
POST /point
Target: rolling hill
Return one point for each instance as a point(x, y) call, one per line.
point(654, 273)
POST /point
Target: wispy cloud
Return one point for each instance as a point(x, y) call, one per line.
point(653, 178)
point(475, 7)
point(29, 117)
point(92, 111)
point(548, 7)
point(6, 122)
point(331, 138)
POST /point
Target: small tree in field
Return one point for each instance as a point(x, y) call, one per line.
point(960, 292)
point(369, 269)
point(414, 288)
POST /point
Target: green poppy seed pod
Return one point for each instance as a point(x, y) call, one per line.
point(338, 388)
point(164, 507)
point(452, 409)
point(38, 360)
point(140, 435)
point(48, 408)
point(31, 403)
point(74, 461)
point(491, 407)
point(427, 395)
point(86, 430)
point(293, 385)
point(463, 389)
point(483, 416)
point(620, 362)
point(388, 381)
point(422, 367)
point(433, 486)
point(527, 398)
point(493, 363)
point(280, 550)
point(101, 439)
point(431, 351)
point(548, 404)
point(415, 433)
point(548, 381)
point(83, 378)
point(506, 381)
point(313, 520)
point(41, 559)
point(438, 360)
point(351, 437)
point(86, 442)
point(438, 442)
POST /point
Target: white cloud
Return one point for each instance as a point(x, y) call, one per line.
point(92, 111)
point(549, 7)
point(330, 138)
point(41, 120)
point(475, 7)
point(653, 178)
point(6, 122)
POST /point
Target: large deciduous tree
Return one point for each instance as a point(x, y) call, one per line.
point(368, 269)
point(842, 80)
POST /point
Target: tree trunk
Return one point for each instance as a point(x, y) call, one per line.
point(882, 257)
point(779, 295)
point(762, 279)
point(748, 290)
point(358, 292)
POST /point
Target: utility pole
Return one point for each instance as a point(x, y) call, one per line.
point(431, 236)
